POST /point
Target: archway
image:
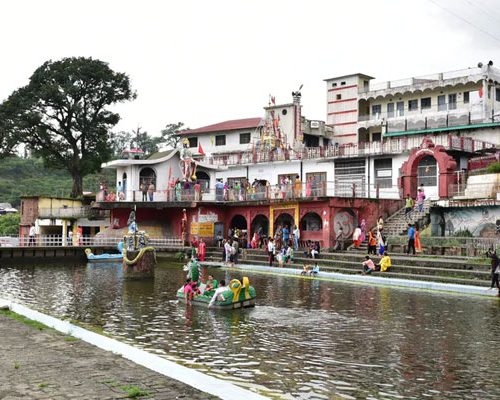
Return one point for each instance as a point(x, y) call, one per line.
point(147, 176)
point(204, 180)
point(260, 221)
point(444, 170)
point(238, 222)
point(284, 219)
point(311, 222)
point(124, 185)
point(427, 175)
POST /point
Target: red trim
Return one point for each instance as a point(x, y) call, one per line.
point(342, 112)
point(340, 101)
point(347, 134)
point(345, 123)
point(342, 87)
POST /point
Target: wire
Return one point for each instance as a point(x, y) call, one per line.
point(490, 14)
point(487, 9)
point(466, 21)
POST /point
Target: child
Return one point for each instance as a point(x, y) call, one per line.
point(305, 269)
point(315, 270)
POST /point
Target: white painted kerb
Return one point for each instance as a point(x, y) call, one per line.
point(196, 379)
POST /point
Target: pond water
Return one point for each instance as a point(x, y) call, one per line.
point(305, 339)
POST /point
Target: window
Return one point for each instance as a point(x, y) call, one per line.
point(390, 110)
point(366, 85)
point(425, 103)
point(466, 97)
point(376, 110)
point(311, 222)
point(497, 94)
point(400, 108)
point(245, 138)
point(452, 101)
point(334, 84)
point(339, 96)
point(193, 142)
point(442, 103)
point(427, 172)
point(412, 105)
point(342, 83)
point(220, 140)
point(383, 172)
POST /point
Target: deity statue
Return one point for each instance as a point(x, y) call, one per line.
point(188, 165)
point(132, 225)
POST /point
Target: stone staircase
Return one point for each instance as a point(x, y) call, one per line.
point(458, 270)
point(397, 223)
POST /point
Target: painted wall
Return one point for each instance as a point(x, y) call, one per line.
point(480, 221)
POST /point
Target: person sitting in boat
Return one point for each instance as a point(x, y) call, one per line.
point(218, 293)
point(211, 283)
point(368, 265)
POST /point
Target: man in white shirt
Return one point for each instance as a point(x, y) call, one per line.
point(218, 292)
point(296, 237)
point(32, 234)
point(270, 251)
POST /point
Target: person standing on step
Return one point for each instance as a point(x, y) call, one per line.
point(495, 269)
point(286, 235)
point(356, 237)
point(411, 239)
point(270, 251)
point(296, 237)
point(372, 242)
point(409, 203)
point(420, 198)
point(418, 244)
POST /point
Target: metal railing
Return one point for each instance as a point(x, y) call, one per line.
point(486, 190)
point(83, 241)
point(479, 243)
point(387, 146)
point(287, 191)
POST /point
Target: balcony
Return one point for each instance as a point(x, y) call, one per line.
point(401, 121)
point(72, 213)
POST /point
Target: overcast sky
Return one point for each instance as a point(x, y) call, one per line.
point(207, 61)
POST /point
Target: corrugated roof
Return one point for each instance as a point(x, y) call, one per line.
point(235, 124)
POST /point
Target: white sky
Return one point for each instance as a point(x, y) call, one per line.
point(207, 61)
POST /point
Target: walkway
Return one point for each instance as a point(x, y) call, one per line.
point(45, 364)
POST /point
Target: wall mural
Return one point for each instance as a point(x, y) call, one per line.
point(346, 220)
point(480, 221)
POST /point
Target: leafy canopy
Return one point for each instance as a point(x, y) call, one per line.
point(61, 115)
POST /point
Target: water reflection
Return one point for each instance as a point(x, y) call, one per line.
point(306, 339)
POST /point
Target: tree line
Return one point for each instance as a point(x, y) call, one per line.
point(62, 116)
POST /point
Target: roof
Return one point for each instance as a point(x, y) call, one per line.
point(444, 129)
point(160, 154)
point(346, 76)
point(235, 124)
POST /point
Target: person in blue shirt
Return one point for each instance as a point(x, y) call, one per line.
point(286, 235)
point(411, 239)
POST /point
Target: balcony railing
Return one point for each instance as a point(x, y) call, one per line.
point(72, 213)
point(388, 146)
point(292, 192)
point(83, 241)
point(475, 191)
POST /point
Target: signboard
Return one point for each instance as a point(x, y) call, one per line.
point(203, 229)
point(207, 218)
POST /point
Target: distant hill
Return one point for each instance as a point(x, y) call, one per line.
point(28, 176)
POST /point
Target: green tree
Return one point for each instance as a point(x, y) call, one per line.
point(170, 135)
point(9, 224)
point(148, 144)
point(62, 115)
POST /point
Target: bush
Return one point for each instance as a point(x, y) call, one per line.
point(494, 168)
point(9, 224)
point(462, 233)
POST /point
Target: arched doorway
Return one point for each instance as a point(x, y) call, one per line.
point(124, 184)
point(427, 175)
point(204, 180)
point(239, 222)
point(311, 222)
point(260, 221)
point(147, 176)
point(284, 219)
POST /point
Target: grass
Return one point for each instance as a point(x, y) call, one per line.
point(43, 385)
point(134, 391)
point(16, 365)
point(24, 320)
point(70, 339)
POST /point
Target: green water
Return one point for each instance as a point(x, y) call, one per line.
point(305, 339)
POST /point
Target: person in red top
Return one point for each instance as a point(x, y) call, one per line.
point(202, 250)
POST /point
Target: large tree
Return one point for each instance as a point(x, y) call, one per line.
point(62, 115)
point(170, 135)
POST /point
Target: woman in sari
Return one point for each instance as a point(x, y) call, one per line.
point(418, 245)
point(202, 250)
point(309, 187)
point(363, 231)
